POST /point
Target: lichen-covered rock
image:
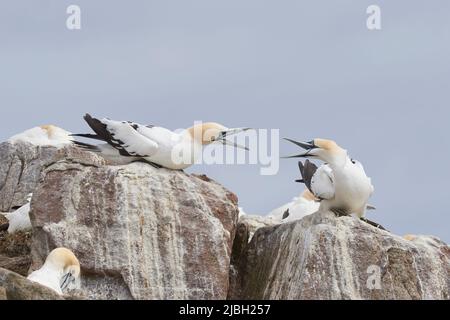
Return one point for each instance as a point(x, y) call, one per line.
point(138, 232)
point(324, 257)
point(21, 165)
point(15, 251)
point(17, 287)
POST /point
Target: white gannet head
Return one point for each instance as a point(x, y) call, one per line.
point(67, 264)
point(210, 132)
point(323, 149)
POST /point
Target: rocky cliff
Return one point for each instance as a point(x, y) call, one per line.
point(324, 257)
point(21, 165)
point(139, 232)
point(146, 233)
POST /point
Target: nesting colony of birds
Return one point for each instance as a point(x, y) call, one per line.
point(339, 184)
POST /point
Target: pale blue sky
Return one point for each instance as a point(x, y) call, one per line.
point(310, 68)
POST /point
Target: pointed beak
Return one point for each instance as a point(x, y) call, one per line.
point(235, 145)
point(308, 146)
point(232, 131)
point(66, 280)
point(229, 132)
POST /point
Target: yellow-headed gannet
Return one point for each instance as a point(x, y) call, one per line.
point(341, 185)
point(19, 220)
point(48, 135)
point(129, 141)
point(61, 270)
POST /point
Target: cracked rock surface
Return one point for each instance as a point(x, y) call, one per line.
point(324, 257)
point(139, 232)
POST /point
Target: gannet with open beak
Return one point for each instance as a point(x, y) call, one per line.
point(61, 270)
point(129, 141)
point(341, 185)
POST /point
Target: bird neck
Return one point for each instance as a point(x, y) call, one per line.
point(338, 161)
point(189, 148)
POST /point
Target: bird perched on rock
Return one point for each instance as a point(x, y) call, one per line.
point(341, 185)
point(127, 142)
point(61, 270)
point(19, 220)
point(48, 135)
point(298, 208)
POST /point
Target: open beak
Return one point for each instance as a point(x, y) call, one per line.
point(308, 146)
point(230, 132)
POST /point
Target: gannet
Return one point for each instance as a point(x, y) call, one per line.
point(61, 270)
point(19, 220)
point(48, 135)
point(341, 185)
point(129, 141)
point(298, 208)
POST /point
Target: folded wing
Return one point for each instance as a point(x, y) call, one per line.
point(320, 181)
point(129, 138)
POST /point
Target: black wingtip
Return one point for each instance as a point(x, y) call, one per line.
point(87, 135)
point(86, 146)
point(285, 214)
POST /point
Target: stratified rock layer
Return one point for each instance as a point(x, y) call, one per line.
point(324, 257)
point(139, 232)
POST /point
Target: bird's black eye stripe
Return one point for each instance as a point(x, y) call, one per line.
point(353, 161)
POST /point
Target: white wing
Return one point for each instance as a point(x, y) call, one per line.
point(130, 138)
point(361, 167)
point(322, 183)
point(301, 208)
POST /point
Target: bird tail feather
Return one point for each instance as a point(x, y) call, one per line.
point(86, 146)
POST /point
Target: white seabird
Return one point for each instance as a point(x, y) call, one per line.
point(48, 135)
point(19, 220)
point(341, 185)
point(298, 208)
point(127, 142)
point(61, 270)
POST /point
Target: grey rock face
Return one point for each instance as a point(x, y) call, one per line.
point(139, 232)
point(16, 287)
point(324, 257)
point(20, 169)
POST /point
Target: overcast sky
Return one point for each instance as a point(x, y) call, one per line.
point(309, 68)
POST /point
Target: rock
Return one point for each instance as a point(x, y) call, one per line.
point(4, 223)
point(324, 257)
point(20, 169)
point(15, 251)
point(16, 287)
point(139, 232)
point(246, 228)
point(19, 265)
